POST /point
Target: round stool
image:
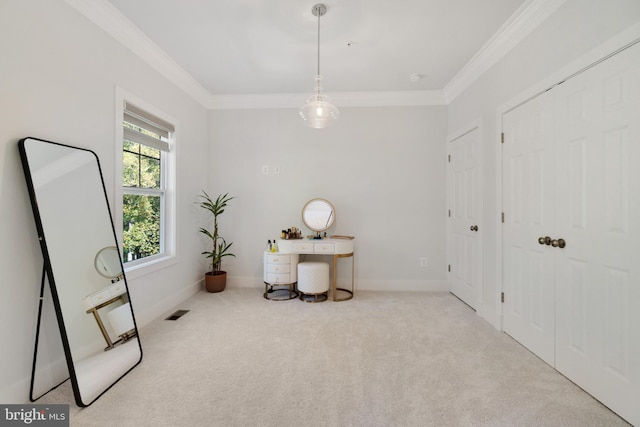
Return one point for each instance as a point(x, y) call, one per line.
point(313, 281)
point(122, 321)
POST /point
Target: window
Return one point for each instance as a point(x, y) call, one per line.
point(146, 142)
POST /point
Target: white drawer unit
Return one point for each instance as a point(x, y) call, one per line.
point(280, 274)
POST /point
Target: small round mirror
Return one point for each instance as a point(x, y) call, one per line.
point(107, 263)
point(318, 214)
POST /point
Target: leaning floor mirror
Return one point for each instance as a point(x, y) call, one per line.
point(83, 266)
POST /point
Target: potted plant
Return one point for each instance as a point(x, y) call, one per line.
point(215, 279)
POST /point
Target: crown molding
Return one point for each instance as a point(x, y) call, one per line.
point(389, 98)
point(527, 18)
point(106, 16)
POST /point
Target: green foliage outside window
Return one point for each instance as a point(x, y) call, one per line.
point(140, 166)
point(141, 237)
point(141, 212)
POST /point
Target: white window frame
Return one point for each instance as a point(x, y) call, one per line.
point(167, 255)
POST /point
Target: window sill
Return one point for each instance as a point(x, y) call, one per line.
point(149, 266)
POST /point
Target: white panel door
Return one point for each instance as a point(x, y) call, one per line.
point(598, 214)
point(571, 173)
point(528, 186)
point(465, 206)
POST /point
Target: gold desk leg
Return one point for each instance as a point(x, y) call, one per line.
point(335, 277)
point(96, 315)
point(102, 329)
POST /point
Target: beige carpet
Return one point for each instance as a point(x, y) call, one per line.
point(381, 359)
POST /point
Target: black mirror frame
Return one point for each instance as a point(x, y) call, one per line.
point(50, 276)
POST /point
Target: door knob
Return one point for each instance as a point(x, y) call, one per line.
point(560, 243)
point(544, 240)
point(473, 228)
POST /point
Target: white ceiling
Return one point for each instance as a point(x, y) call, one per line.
point(249, 48)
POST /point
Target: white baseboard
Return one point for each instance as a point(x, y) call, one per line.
point(402, 285)
point(361, 284)
point(147, 316)
point(492, 317)
point(245, 282)
point(16, 393)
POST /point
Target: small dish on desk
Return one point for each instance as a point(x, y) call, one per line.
point(337, 236)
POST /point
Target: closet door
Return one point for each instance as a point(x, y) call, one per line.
point(598, 214)
point(466, 201)
point(528, 202)
point(571, 172)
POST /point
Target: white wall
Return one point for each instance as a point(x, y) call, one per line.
point(57, 82)
point(575, 29)
point(383, 169)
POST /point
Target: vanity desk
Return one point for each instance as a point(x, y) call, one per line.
point(280, 268)
point(336, 247)
point(104, 297)
point(107, 264)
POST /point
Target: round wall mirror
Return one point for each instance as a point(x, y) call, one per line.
point(107, 263)
point(318, 214)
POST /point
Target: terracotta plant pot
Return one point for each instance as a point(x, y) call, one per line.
point(215, 282)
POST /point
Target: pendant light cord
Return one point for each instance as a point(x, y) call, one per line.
point(319, 13)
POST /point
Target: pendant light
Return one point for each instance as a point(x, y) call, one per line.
point(318, 112)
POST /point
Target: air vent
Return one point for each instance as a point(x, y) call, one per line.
point(178, 314)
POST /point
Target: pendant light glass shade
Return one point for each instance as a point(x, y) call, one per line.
point(318, 112)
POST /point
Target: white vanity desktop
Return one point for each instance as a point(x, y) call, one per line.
point(330, 246)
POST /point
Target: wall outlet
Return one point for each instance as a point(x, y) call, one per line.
point(423, 261)
point(265, 169)
point(276, 169)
